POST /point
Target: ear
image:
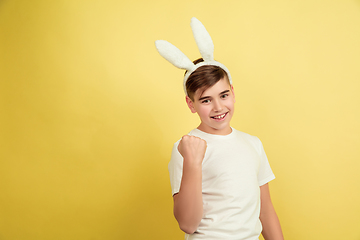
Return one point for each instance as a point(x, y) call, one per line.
point(190, 104)
point(233, 93)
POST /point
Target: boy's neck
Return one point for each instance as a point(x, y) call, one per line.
point(223, 131)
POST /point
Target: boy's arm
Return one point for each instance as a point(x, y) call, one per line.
point(188, 205)
point(269, 220)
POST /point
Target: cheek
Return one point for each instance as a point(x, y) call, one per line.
point(230, 104)
point(204, 111)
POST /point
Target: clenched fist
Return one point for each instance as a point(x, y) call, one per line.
point(192, 149)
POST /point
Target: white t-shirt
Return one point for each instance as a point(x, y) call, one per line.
point(233, 168)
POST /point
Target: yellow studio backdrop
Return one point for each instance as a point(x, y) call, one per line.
point(90, 111)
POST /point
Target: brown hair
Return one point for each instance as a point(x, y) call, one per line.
point(203, 78)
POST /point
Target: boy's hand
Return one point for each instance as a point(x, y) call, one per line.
point(192, 149)
point(188, 204)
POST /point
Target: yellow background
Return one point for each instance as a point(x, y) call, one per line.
point(90, 111)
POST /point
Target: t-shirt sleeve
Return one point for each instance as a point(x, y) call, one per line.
point(175, 169)
point(265, 173)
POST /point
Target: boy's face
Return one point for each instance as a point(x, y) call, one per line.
point(215, 107)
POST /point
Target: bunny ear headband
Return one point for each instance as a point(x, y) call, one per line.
point(180, 60)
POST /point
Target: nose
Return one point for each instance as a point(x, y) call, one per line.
point(218, 107)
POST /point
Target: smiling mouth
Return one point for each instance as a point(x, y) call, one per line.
point(219, 117)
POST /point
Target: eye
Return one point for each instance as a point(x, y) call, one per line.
point(224, 95)
point(205, 101)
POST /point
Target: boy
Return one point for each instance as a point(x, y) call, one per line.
point(218, 174)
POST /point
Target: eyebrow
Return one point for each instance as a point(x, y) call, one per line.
point(206, 97)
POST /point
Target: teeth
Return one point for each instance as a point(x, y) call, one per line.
point(220, 116)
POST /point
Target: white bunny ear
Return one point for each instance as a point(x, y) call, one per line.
point(174, 55)
point(202, 39)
